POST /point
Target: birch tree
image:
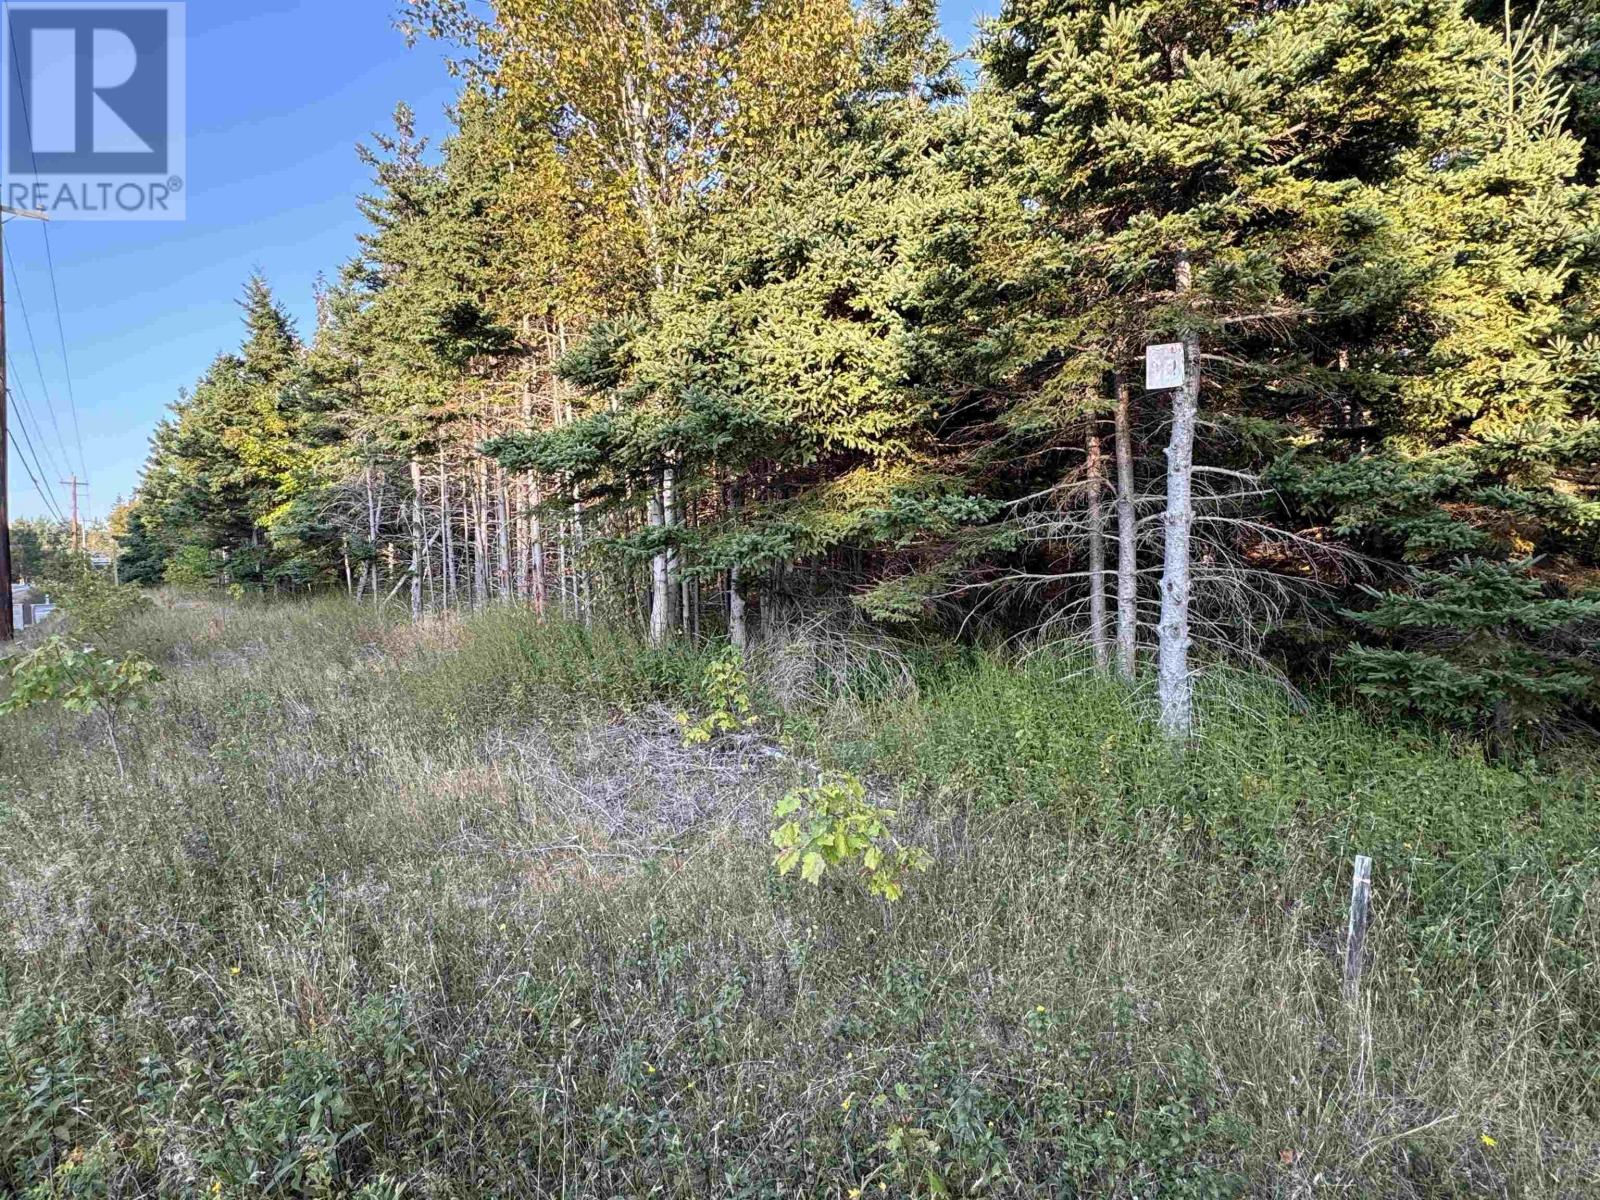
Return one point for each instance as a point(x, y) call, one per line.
point(652, 103)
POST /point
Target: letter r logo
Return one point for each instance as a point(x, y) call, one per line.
point(89, 92)
point(56, 96)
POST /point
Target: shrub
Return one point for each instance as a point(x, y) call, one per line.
point(834, 825)
point(190, 567)
point(79, 679)
point(726, 691)
point(94, 603)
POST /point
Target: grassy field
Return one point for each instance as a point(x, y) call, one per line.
point(448, 910)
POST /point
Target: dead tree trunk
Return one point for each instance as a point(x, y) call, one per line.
point(417, 534)
point(669, 520)
point(1175, 686)
point(660, 620)
point(580, 578)
point(502, 533)
point(480, 533)
point(1127, 543)
point(738, 628)
point(374, 524)
point(449, 551)
point(1099, 631)
point(541, 593)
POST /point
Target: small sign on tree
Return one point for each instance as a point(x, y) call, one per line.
point(1163, 366)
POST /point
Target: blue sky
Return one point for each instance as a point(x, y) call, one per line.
point(280, 92)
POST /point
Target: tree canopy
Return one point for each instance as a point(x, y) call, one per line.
point(710, 310)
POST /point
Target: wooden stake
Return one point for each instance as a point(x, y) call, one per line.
point(1356, 934)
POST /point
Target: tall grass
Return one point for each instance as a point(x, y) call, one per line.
point(446, 910)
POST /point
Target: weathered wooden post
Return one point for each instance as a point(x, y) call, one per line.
point(1356, 934)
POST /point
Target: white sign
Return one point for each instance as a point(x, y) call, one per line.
point(1163, 366)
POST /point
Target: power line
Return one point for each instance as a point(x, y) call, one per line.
point(38, 361)
point(40, 485)
point(24, 414)
point(16, 65)
point(61, 334)
point(66, 363)
point(22, 405)
point(7, 626)
point(55, 294)
point(44, 495)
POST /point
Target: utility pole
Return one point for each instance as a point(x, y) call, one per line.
point(75, 483)
point(7, 624)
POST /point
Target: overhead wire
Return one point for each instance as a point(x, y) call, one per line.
point(66, 361)
point(55, 296)
point(50, 502)
point(38, 361)
point(22, 406)
point(46, 493)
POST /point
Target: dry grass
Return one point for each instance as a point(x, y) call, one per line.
point(385, 910)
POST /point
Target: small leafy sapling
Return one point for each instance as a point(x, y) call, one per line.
point(80, 679)
point(834, 825)
point(726, 690)
point(95, 604)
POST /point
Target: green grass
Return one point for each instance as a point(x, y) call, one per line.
point(449, 912)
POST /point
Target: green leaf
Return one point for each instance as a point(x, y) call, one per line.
point(813, 867)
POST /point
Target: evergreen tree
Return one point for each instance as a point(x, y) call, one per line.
point(750, 303)
point(1481, 646)
point(1207, 174)
point(1573, 29)
point(1475, 447)
point(776, 379)
point(217, 464)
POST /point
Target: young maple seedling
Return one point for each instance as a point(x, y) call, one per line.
point(726, 689)
point(834, 825)
point(80, 679)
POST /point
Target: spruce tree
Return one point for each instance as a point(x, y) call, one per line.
point(776, 377)
point(1470, 448)
point(1204, 173)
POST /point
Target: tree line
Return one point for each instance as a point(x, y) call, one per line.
point(711, 309)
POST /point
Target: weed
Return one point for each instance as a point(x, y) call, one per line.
point(447, 910)
point(832, 826)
